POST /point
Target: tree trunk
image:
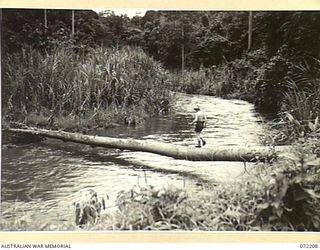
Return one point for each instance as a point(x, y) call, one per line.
point(227, 153)
point(72, 28)
point(182, 52)
point(45, 19)
point(250, 31)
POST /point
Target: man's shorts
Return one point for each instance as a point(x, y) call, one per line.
point(199, 127)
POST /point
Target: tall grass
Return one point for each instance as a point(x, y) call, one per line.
point(300, 111)
point(68, 84)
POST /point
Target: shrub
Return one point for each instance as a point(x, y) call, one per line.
point(196, 82)
point(235, 79)
point(221, 208)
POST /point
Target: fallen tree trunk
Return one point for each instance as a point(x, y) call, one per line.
point(227, 153)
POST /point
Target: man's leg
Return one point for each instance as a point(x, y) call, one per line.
point(203, 141)
point(198, 139)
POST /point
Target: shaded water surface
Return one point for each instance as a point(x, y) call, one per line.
point(42, 180)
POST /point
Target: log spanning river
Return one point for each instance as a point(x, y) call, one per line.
point(40, 181)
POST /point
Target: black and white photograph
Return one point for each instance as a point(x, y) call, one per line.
point(160, 120)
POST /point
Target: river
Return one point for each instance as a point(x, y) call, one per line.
point(41, 181)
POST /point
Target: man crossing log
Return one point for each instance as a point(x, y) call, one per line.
point(200, 120)
point(226, 153)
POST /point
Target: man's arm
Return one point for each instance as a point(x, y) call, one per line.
point(195, 119)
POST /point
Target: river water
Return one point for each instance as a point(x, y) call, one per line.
point(40, 181)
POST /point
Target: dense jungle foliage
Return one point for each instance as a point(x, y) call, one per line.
point(126, 66)
point(216, 43)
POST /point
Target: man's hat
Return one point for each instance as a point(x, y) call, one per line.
point(197, 107)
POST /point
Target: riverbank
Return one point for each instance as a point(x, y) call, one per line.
point(282, 196)
point(64, 89)
point(236, 79)
point(264, 202)
point(278, 85)
point(278, 196)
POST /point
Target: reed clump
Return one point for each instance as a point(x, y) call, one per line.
point(102, 85)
